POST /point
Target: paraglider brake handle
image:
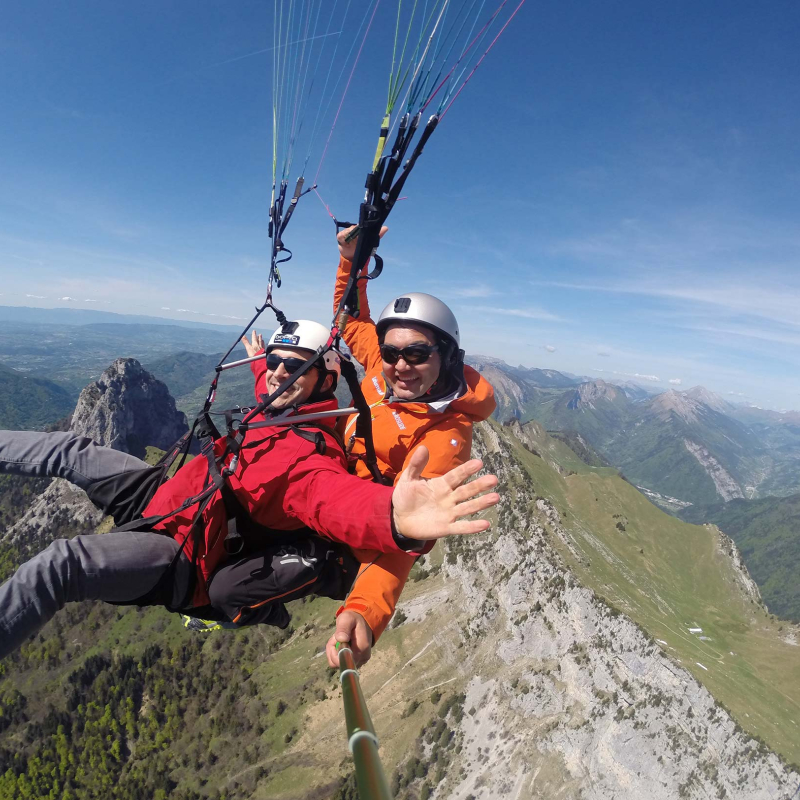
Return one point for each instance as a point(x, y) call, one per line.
point(339, 225)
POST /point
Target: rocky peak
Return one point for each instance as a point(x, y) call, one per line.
point(707, 398)
point(589, 394)
point(126, 409)
point(478, 361)
point(679, 403)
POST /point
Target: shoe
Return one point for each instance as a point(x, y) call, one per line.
point(206, 625)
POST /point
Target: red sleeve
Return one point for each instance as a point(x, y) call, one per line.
point(259, 369)
point(360, 334)
point(347, 509)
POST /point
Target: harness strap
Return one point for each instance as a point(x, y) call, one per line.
point(364, 421)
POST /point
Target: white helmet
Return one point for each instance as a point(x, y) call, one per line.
point(307, 335)
point(424, 309)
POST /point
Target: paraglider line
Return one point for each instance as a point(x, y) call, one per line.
point(480, 61)
point(277, 47)
point(350, 78)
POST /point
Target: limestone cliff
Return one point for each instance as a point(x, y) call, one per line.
point(127, 409)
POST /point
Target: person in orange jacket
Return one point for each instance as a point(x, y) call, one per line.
point(420, 392)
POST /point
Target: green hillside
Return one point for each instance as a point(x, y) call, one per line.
point(185, 371)
point(767, 533)
point(30, 403)
point(598, 416)
point(656, 457)
point(670, 576)
point(188, 376)
point(660, 443)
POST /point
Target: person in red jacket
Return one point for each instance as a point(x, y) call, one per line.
point(421, 395)
point(281, 481)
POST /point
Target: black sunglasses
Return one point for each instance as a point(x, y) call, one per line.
point(412, 354)
point(291, 365)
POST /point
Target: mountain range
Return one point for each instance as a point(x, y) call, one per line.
point(589, 646)
point(680, 447)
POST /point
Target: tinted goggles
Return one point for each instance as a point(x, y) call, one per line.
point(413, 354)
point(291, 365)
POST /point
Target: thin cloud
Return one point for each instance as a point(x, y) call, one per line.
point(603, 354)
point(635, 375)
point(675, 381)
point(525, 313)
point(36, 296)
point(35, 261)
point(480, 290)
point(749, 332)
point(550, 348)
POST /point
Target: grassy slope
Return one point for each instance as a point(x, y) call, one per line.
point(598, 424)
point(656, 458)
point(767, 532)
point(669, 576)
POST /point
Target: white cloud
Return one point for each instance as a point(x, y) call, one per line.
point(68, 299)
point(549, 348)
point(89, 300)
point(166, 308)
point(676, 381)
point(636, 375)
point(36, 296)
point(479, 290)
point(526, 313)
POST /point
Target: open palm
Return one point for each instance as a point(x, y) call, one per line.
point(432, 509)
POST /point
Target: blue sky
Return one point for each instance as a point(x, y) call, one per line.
point(616, 193)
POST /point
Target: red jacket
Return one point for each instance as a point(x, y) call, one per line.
point(284, 483)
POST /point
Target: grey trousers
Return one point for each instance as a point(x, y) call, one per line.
point(62, 455)
point(116, 567)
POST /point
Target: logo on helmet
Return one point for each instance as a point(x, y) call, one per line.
point(285, 338)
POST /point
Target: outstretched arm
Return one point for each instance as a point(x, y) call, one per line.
point(347, 509)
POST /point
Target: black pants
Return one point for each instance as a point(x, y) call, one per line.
point(253, 589)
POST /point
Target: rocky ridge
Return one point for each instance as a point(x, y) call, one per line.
point(567, 697)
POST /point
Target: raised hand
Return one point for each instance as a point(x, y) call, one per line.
point(348, 249)
point(432, 509)
point(254, 346)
